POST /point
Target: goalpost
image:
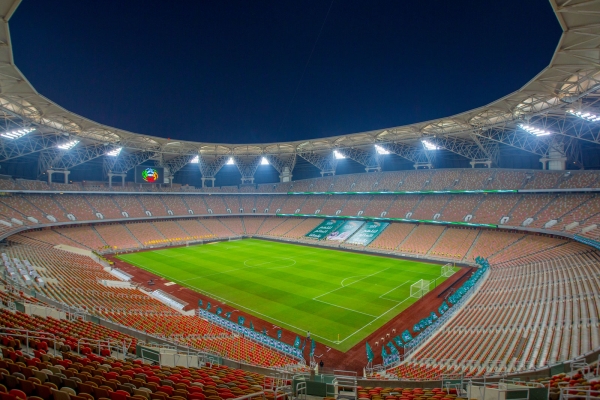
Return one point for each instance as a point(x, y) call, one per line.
point(447, 270)
point(419, 288)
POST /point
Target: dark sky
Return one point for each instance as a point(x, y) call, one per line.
point(227, 71)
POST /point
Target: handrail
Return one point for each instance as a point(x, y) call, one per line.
point(104, 342)
point(250, 396)
point(27, 335)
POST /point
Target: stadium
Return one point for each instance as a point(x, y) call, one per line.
point(408, 278)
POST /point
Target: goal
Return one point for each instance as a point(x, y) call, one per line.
point(448, 270)
point(419, 288)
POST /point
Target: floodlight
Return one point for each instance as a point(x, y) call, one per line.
point(428, 145)
point(338, 155)
point(16, 133)
point(381, 150)
point(587, 116)
point(231, 161)
point(69, 145)
point(115, 152)
point(195, 160)
point(264, 161)
point(534, 131)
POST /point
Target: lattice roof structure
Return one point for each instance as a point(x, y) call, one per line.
point(552, 103)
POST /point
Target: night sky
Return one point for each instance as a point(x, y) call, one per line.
point(265, 71)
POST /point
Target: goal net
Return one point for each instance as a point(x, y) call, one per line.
point(419, 288)
point(448, 270)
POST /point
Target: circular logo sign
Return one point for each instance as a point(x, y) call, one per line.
point(150, 175)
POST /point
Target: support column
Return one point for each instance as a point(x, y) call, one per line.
point(424, 165)
point(286, 175)
point(50, 172)
point(111, 175)
point(484, 162)
point(376, 169)
point(66, 172)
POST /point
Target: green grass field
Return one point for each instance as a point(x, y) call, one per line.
point(300, 288)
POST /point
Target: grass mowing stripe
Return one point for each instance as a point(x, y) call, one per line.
point(326, 291)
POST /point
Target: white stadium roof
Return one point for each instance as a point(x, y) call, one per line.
point(549, 115)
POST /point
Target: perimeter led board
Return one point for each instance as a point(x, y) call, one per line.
point(146, 174)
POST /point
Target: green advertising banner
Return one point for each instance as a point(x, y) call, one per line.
point(368, 233)
point(361, 218)
point(324, 229)
point(344, 231)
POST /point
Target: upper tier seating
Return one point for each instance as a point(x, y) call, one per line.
point(440, 179)
point(131, 205)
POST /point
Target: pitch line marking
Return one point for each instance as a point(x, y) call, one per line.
point(214, 296)
point(344, 280)
point(267, 317)
point(354, 333)
point(345, 308)
point(381, 297)
point(341, 287)
point(246, 266)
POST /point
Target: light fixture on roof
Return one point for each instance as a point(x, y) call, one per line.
point(428, 145)
point(69, 145)
point(585, 115)
point(16, 133)
point(338, 155)
point(535, 131)
point(115, 152)
point(195, 160)
point(264, 161)
point(381, 150)
point(231, 161)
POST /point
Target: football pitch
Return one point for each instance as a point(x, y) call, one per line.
point(340, 297)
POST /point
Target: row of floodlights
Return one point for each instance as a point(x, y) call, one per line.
point(585, 115)
point(16, 133)
point(19, 133)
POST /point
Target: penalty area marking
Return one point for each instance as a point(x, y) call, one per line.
point(267, 317)
point(248, 261)
point(384, 298)
point(341, 287)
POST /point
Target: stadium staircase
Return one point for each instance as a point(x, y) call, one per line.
point(468, 252)
point(182, 228)
point(158, 232)
point(542, 209)
point(85, 199)
point(132, 235)
point(60, 206)
point(98, 235)
point(407, 236)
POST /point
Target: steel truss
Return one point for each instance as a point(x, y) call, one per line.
point(126, 161)
point(369, 158)
point(173, 165)
point(247, 165)
point(59, 159)
point(326, 163)
point(209, 166)
point(420, 156)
